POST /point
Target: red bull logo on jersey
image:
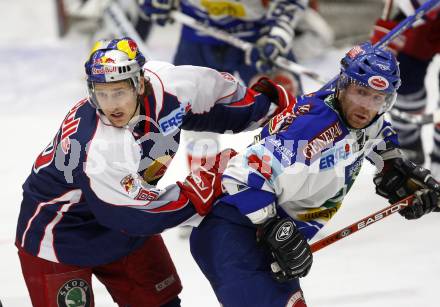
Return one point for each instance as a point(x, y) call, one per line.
point(378, 83)
point(133, 185)
point(322, 140)
point(129, 184)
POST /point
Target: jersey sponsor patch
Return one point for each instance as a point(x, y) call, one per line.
point(352, 170)
point(221, 8)
point(322, 140)
point(286, 153)
point(165, 283)
point(74, 293)
point(321, 213)
point(172, 121)
point(332, 156)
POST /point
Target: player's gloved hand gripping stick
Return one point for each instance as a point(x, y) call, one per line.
point(410, 188)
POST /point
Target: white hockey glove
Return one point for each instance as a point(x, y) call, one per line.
point(158, 11)
point(282, 18)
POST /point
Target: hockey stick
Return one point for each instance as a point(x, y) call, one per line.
point(397, 30)
point(240, 44)
point(361, 224)
point(115, 17)
point(417, 119)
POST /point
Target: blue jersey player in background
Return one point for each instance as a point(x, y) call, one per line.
point(270, 25)
point(91, 205)
point(283, 189)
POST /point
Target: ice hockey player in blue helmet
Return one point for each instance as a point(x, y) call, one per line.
point(253, 247)
point(91, 204)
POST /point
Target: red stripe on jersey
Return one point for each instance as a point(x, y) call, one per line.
point(247, 100)
point(172, 206)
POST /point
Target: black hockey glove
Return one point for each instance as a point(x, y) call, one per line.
point(290, 250)
point(401, 178)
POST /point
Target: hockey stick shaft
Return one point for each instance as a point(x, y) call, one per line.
point(361, 224)
point(116, 17)
point(397, 30)
point(240, 44)
point(417, 119)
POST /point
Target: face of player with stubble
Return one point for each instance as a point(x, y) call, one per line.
point(360, 105)
point(118, 101)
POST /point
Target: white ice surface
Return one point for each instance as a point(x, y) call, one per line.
point(394, 263)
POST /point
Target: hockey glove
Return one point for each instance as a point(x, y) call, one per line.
point(203, 185)
point(401, 178)
point(275, 92)
point(282, 17)
point(288, 247)
point(158, 11)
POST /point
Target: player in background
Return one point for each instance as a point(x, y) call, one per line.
point(268, 24)
point(415, 50)
point(286, 186)
point(91, 205)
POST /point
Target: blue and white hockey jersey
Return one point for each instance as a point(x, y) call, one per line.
point(91, 197)
point(242, 18)
point(303, 164)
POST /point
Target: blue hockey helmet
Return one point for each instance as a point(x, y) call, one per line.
point(114, 60)
point(371, 67)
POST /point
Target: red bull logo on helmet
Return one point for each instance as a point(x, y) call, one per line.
point(129, 47)
point(104, 60)
point(104, 70)
point(378, 83)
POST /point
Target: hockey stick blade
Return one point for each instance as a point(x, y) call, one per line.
point(361, 224)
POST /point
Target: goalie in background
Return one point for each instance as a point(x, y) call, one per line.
point(415, 50)
point(286, 186)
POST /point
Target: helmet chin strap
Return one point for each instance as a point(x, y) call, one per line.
point(138, 104)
